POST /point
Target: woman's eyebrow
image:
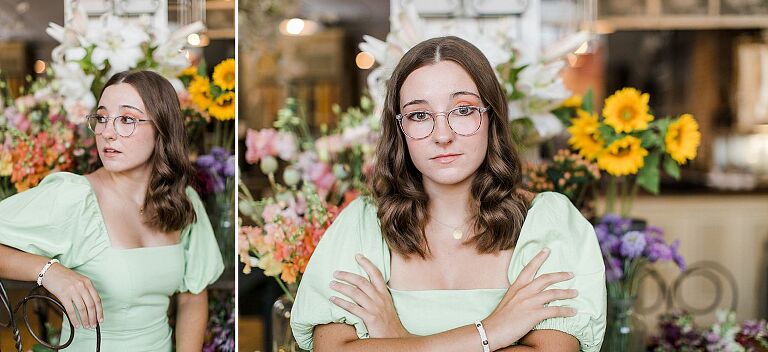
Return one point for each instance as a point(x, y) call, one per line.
point(131, 107)
point(460, 93)
point(413, 102)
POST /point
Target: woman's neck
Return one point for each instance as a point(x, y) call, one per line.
point(449, 204)
point(130, 184)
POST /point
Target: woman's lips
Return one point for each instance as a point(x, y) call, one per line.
point(445, 158)
point(110, 152)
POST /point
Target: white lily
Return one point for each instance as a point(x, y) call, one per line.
point(169, 47)
point(118, 42)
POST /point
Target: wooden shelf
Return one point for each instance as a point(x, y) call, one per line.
point(692, 22)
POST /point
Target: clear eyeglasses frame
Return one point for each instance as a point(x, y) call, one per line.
point(123, 125)
point(463, 120)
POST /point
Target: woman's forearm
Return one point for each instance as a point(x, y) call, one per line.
point(18, 265)
point(342, 338)
point(191, 321)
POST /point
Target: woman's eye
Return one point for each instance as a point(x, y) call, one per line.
point(418, 116)
point(100, 119)
point(127, 120)
point(464, 110)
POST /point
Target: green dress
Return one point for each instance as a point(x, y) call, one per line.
point(60, 218)
point(552, 222)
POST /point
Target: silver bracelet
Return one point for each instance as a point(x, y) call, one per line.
point(483, 337)
point(42, 272)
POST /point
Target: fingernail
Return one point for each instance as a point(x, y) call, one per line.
point(332, 284)
point(545, 250)
point(571, 274)
point(101, 320)
point(358, 256)
point(336, 274)
point(332, 299)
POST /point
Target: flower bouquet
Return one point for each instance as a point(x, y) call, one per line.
point(630, 144)
point(678, 332)
point(35, 138)
point(569, 174)
point(216, 176)
point(320, 176)
point(626, 250)
point(210, 97)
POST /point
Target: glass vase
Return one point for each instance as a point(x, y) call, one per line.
point(624, 331)
point(282, 336)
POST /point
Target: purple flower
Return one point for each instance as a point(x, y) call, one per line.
point(229, 167)
point(676, 255)
point(610, 245)
point(632, 244)
point(613, 271)
point(753, 328)
point(658, 251)
point(205, 161)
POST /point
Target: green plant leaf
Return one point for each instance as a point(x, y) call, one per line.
point(648, 177)
point(586, 101)
point(608, 133)
point(671, 167)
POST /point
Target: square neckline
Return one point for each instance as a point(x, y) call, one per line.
point(467, 290)
point(105, 232)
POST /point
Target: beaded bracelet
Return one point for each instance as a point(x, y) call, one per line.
point(42, 272)
point(483, 337)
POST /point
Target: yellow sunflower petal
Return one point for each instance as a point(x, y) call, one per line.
point(224, 107)
point(683, 138)
point(224, 74)
point(585, 136)
point(188, 72)
point(200, 92)
point(574, 101)
point(623, 157)
point(627, 110)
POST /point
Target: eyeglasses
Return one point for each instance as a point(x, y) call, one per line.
point(463, 120)
point(124, 125)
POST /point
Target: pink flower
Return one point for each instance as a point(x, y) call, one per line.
point(286, 146)
point(259, 144)
point(322, 177)
point(270, 212)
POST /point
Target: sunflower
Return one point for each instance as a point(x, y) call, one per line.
point(683, 138)
point(627, 110)
point(190, 71)
point(224, 74)
point(574, 101)
point(224, 107)
point(624, 156)
point(200, 91)
point(585, 136)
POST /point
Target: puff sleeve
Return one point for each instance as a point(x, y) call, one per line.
point(59, 218)
point(574, 248)
point(203, 263)
point(355, 230)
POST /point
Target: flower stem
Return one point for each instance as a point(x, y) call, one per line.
point(610, 196)
point(285, 289)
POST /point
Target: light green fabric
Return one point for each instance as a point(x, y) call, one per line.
point(60, 218)
point(552, 222)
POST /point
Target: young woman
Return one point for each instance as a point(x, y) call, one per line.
point(457, 256)
point(114, 246)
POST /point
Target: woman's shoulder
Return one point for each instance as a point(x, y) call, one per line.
point(554, 208)
point(66, 180)
point(355, 229)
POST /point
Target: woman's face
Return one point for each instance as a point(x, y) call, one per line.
point(119, 153)
point(444, 157)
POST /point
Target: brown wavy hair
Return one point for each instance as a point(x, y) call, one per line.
point(497, 208)
point(166, 205)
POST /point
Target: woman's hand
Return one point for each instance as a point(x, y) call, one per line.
point(522, 307)
point(76, 293)
point(372, 300)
